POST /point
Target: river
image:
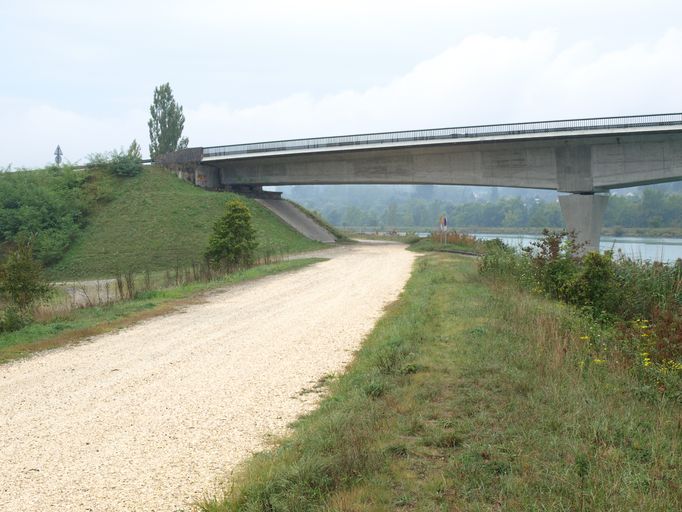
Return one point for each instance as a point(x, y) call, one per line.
point(644, 248)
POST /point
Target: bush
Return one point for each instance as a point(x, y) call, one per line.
point(594, 285)
point(122, 164)
point(11, 319)
point(641, 300)
point(501, 260)
point(233, 241)
point(554, 262)
point(21, 285)
point(118, 163)
point(49, 205)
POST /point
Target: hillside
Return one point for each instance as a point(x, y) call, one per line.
point(155, 221)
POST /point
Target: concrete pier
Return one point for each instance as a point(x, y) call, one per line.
point(584, 214)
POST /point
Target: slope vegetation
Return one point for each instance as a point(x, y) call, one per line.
point(155, 221)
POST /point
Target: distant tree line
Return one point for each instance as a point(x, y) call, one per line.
point(653, 208)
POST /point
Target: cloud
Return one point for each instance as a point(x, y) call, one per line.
point(482, 79)
point(30, 133)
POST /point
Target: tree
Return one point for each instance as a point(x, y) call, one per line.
point(166, 123)
point(21, 278)
point(233, 241)
point(135, 151)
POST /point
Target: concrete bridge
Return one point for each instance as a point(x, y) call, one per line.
point(584, 158)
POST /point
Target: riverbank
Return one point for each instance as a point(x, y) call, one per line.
point(607, 231)
point(469, 395)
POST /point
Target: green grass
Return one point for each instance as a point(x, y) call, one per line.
point(428, 245)
point(338, 234)
point(81, 323)
point(154, 221)
point(469, 395)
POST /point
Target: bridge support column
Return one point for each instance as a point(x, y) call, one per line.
point(584, 214)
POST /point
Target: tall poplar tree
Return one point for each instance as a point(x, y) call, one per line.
point(166, 123)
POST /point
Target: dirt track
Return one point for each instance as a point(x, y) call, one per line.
point(156, 415)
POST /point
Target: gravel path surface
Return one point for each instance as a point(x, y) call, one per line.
point(155, 416)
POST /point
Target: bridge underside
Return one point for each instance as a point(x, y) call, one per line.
point(571, 164)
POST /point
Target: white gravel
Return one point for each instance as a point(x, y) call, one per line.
point(155, 416)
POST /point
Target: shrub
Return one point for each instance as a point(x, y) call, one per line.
point(21, 285)
point(233, 241)
point(642, 300)
point(554, 261)
point(123, 164)
point(594, 284)
point(49, 205)
point(500, 259)
point(12, 319)
point(118, 163)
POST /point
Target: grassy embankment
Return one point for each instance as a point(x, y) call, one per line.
point(155, 221)
point(337, 233)
point(469, 395)
point(149, 229)
point(81, 323)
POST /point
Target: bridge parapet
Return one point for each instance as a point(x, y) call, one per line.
point(558, 127)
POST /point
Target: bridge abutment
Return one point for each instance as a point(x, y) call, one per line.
point(207, 177)
point(584, 214)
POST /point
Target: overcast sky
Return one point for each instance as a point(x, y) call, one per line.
point(82, 73)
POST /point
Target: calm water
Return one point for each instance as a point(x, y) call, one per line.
point(654, 249)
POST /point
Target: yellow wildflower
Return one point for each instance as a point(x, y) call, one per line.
point(673, 365)
point(599, 361)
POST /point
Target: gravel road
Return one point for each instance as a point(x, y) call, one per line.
point(157, 415)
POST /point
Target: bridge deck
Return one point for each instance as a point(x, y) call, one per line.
point(564, 127)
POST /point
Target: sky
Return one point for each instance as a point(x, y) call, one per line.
point(82, 74)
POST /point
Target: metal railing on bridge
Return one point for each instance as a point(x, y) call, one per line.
point(462, 132)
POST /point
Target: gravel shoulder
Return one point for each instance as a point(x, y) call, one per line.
point(157, 415)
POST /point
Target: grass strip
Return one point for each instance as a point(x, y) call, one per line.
point(428, 245)
point(469, 395)
point(85, 322)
